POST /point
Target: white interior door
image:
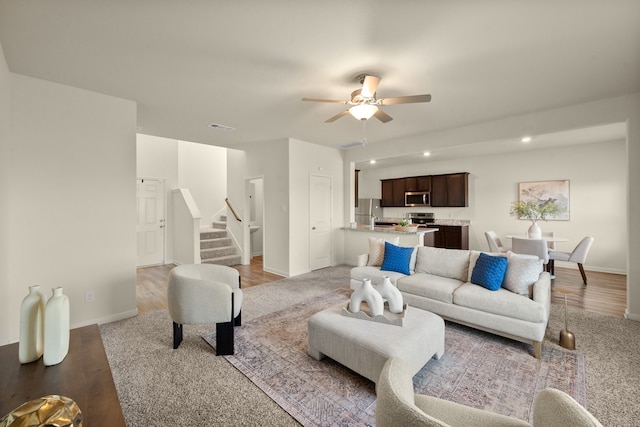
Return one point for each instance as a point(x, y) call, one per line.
point(320, 220)
point(151, 222)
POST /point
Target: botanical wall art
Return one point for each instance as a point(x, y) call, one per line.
point(547, 192)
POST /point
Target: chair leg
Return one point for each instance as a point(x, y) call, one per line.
point(177, 335)
point(224, 338)
point(584, 276)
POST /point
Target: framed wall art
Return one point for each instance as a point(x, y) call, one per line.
point(545, 192)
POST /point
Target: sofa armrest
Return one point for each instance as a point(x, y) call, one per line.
point(362, 260)
point(542, 291)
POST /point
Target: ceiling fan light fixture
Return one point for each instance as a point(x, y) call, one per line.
point(363, 111)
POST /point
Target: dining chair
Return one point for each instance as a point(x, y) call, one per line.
point(578, 255)
point(495, 245)
point(551, 245)
point(537, 247)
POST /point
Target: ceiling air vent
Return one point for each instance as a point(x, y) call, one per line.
point(221, 127)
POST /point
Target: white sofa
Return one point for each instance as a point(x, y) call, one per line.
point(440, 282)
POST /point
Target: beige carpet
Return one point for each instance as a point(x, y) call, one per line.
point(159, 386)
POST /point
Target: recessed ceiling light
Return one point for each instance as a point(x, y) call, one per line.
point(426, 154)
point(526, 139)
point(372, 162)
point(221, 127)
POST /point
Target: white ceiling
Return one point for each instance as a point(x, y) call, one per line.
point(246, 64)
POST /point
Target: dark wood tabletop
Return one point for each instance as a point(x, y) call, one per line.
point(84, 376)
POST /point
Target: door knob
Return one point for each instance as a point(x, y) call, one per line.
point(313, 228)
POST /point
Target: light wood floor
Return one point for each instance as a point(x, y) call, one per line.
point(605, 293)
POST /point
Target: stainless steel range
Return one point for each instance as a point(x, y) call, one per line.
point(422, 217)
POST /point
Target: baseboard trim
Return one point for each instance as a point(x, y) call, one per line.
point(106, 319)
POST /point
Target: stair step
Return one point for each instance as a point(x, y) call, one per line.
point(212, 234)
point(223, 218)
point(217, 252)
point(215, 243)
point(219, 225)
point(228, 260)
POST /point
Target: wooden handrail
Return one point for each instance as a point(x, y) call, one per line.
point(233, 211)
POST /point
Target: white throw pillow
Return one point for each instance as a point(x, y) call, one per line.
point(522, 272)
point(376, 250)
point(453, 263)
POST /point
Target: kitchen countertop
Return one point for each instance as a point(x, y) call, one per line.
point(389, 229)
point(450, 221)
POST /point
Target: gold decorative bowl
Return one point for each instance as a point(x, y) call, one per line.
point(407, 228)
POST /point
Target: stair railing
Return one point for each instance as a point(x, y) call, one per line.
point(233, 211)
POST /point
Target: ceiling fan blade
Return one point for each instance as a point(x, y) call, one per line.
point(382, 116)
point(333, 101)
point(369, 86)
point(405, 99)
point(337, 116)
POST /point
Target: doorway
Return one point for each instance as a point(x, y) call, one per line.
point(320, 210)
point(151, 224)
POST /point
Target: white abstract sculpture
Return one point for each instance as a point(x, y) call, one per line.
point(367, 293)
point(391, 294)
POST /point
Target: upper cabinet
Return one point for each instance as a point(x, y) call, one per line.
point(449, 190)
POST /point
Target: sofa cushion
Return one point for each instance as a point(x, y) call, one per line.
point(489, 271)
point(376, 249)
point(374, 274)
point(452, 263)
point(502, 302)
point(522, 272)
point(397, 258)
point(429, 286)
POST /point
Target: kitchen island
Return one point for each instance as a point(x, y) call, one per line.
point(357, 239)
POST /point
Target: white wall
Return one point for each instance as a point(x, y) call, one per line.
point(623, 109)
point(200, 168)
point(597, 174)
point(5, 285)
point(71, 206)
point(269, 160)
point(306, 159)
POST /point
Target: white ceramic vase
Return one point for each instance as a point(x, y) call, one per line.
point(56, 328)
point(534, 232)
point(30, 346)
point(391, 294)
point(367, 293)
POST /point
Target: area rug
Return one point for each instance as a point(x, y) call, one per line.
point(478, 369)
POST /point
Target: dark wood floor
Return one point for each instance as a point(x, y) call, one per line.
point(605, 293)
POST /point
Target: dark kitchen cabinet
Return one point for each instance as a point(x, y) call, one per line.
point(393, 189)
point(451, 236)
point(450, 190)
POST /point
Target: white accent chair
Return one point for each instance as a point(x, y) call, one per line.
point(398, 405)
point(579, 256)
point(495, 245)
point(205, 293)
point(537, 247)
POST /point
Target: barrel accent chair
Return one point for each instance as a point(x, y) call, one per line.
point(205, 293)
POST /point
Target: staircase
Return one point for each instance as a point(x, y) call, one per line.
point(216, 247)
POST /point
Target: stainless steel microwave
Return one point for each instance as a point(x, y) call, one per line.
point(417, 198)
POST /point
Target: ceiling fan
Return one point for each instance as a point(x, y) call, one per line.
point(364, 104)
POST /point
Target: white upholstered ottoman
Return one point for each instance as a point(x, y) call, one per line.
point(364, 346)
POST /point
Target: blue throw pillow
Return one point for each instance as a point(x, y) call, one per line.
point(489, 271)
point(397, 258)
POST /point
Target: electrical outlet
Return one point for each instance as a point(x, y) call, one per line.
point(89, 296)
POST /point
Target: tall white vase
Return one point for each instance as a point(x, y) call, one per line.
point(56, 328)
point(534, 232)
point(367, 293)
point(391, 294)
point(30, 346)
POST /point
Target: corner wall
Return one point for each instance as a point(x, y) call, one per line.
point(6, 310)
point(71, 210)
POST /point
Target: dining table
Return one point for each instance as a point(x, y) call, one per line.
point(554, 239)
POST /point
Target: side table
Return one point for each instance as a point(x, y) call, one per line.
point(567, 339)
